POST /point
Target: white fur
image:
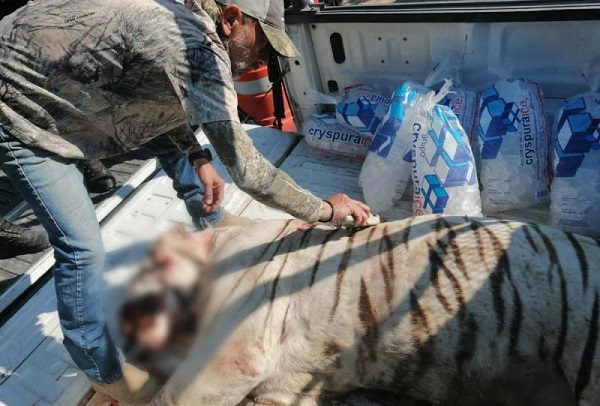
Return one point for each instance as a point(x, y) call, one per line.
point(245, 354)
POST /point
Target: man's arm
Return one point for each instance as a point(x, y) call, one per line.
point(185, 139)
point(201, 78)
point(256, 176)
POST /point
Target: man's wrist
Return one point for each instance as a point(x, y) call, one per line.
point(199, 162)
point(327, 212)
point(201, 155)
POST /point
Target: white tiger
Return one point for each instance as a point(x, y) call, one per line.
point(448, 310)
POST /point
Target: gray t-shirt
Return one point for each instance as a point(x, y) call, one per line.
point(95, 78)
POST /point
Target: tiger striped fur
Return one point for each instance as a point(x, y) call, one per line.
point(448, 310)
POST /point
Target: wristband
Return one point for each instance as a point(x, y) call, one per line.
point(202, 154)
point(332, 212)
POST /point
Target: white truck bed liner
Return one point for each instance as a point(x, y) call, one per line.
point(35, 369)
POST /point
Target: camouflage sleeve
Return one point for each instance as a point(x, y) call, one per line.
point(256, 176)
point(184, 138)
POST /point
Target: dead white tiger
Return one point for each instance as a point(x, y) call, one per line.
point(449, 310)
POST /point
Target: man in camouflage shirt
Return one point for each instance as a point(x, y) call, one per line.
point(86, 79)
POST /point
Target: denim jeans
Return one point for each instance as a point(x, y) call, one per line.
point(53, 187)
point(185, 180)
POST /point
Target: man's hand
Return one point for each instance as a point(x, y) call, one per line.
point(214, 187)
point(344, 206)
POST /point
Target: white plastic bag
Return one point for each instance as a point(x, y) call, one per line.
point(362, 108)
point(512, 145)
point(575, 188)
point(386, 171)
point(445, 174)
point(325, 136)
point(318, 98)
point(463, 102)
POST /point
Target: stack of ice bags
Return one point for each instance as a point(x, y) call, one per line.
point(325, 136)
point(576, 185)
point(444, 174)
point(512, 146)
point(362, 108)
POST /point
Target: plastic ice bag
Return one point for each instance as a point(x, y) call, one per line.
point(362, 108)
point(318, 98)
point(512, 145)
point(386, 171)
point(575, 192)
point(324, 135)
point(444, 174)
point(463, 102)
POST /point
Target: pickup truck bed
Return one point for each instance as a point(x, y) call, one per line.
point(548, 41)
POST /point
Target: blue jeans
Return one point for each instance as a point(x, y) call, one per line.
point(185, 180)
point(53, 187)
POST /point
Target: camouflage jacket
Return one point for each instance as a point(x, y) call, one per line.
point(94, 78)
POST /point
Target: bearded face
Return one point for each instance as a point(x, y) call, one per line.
point(245, 42)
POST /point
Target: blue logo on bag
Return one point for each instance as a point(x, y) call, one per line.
point(496, 118)
point(386, 133)
point(360, 114)
point(390, 126)
point(436, 197)
point(578, 133)
point(449, 153)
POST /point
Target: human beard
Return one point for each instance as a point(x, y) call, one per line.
point(239, 54)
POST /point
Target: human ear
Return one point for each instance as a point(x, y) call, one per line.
point(231, 16)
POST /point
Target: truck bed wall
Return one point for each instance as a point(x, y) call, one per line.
point(385, 54)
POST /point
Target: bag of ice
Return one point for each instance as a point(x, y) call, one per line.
point(576, 184)
point(362, 108)
point(463, 102)
point(325, 136)
point(444, 171)
point(386, 171)
point(512, 146)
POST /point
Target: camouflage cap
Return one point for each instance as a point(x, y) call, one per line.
point(269, 14)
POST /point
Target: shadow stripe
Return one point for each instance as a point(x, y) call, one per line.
point(433, 264)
